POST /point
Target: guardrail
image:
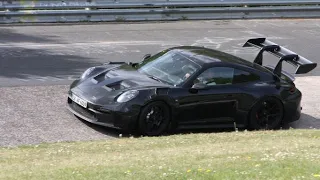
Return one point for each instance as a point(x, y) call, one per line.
point(42, 11)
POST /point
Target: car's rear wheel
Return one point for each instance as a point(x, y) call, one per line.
point(154, 119)
point(266, 114)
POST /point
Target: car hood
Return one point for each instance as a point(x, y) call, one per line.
point(104, 87)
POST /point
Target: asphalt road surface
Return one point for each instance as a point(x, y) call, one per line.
point(47, 55)
point(38, 62)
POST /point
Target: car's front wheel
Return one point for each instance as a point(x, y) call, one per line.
point(154, 119)
point(266, 114)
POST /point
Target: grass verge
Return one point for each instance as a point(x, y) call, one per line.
point(289, 154)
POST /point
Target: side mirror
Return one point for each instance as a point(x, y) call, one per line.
point(145, 57)
point(198, 86)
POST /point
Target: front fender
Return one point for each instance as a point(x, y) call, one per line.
point(74, 83)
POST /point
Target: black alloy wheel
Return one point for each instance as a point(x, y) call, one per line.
point(267, 114)
point(154, 119)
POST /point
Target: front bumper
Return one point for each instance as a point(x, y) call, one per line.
point(113, 119)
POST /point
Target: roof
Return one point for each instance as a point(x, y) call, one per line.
point(205, 55)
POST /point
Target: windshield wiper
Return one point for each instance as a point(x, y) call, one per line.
point(154, 78)
point(160, 80)
point(157, 79)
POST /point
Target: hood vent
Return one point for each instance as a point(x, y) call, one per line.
point(119, 85)
point(110, 74)
point(100, 77)
point(104, 76)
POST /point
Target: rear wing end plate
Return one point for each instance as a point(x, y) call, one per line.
point(303, 65)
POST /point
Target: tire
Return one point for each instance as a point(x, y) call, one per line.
point(154, 119)
point(266, 114)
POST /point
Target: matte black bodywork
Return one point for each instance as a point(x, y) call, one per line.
point(217, 106)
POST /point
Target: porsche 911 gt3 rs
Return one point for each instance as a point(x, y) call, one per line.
point(191, 87)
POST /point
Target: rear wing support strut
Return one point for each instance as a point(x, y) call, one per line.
point(270, 48)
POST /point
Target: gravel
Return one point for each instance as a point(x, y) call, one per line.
point(32, 115)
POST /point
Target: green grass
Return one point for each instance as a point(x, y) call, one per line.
point(290, 154)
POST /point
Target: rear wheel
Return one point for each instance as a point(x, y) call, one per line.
point(154, 119)
point(266, 114)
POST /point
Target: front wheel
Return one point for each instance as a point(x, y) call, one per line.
point(154, 119)
point(266, 114)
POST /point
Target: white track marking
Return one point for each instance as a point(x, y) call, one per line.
point(217, 42)
point(253, 33)
point(102, 43)
point(20, 79)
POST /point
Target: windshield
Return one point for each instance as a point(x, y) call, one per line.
point(170, 67)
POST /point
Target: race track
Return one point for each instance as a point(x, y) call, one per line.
point(38, 62)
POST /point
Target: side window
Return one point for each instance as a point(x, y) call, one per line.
point(216, 76)
point(243, 76)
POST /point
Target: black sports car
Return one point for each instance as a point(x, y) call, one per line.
point(191, 87)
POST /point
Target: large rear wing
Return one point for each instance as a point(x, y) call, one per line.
point(303, 65)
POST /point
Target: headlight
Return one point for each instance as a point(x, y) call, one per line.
point(127, 96)
point(87, 72)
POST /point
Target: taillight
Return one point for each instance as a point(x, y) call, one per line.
point(292, 89)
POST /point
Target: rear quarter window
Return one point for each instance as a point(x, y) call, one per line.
point(241, 76)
